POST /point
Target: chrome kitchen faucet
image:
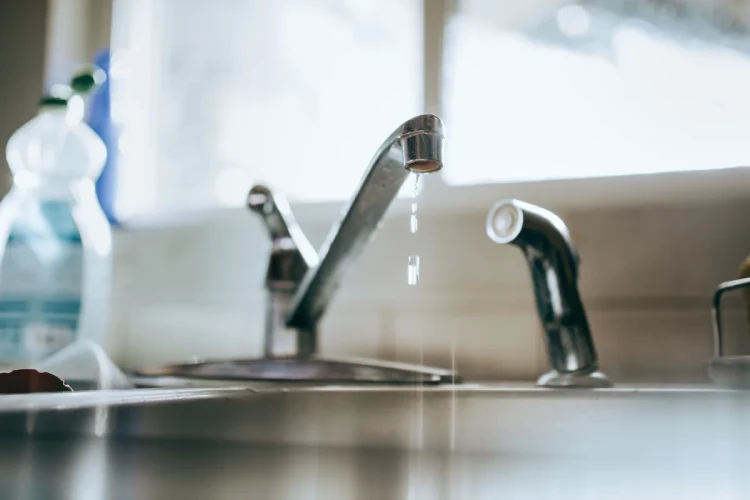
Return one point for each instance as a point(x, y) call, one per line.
point(301, 282)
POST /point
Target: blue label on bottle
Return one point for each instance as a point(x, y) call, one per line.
point(41, 276)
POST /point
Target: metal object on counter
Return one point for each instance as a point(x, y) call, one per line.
point(553, 261)
point(727, 371)
point(300, 283)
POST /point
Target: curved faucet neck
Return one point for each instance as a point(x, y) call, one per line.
point(416, 146)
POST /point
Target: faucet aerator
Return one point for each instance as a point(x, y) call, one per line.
point(422, 146)
point(424, 166)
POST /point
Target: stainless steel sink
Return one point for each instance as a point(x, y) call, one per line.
point(479, 441)
point(295, 370)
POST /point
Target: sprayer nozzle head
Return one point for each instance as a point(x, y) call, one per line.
point(504, 222)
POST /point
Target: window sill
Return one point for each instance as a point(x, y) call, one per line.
point(686, 188)
point(720, 186)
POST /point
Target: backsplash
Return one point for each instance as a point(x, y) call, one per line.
point(647, 276)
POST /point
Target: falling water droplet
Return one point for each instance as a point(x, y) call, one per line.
point(412, 279)
point(413, 221)
point(413, 270)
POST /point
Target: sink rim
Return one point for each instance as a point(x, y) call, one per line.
point(94, 399)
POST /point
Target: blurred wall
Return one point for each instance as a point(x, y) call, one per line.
point(23, 27)
point(647, 276)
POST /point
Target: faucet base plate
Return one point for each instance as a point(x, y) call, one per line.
point(556, 380)
point(297, 369)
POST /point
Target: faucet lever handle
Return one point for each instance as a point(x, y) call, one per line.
point(262, 201)
point(286, 236)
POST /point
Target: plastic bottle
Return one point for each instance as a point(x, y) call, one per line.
point(55, 251)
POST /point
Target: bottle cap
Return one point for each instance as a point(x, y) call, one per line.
point(53, 101)
point(87, 79)
point(83, 81)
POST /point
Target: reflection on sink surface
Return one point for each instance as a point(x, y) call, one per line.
point(154, 469)
point(479, 441)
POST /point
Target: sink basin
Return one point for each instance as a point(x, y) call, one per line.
point(477, 441)
point(309, 370)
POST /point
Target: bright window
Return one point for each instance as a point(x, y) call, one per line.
point(217, 95)
point(221, 94)
point(579, 92)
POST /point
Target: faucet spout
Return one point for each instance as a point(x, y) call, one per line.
point(553, 261)
point(416, 146)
